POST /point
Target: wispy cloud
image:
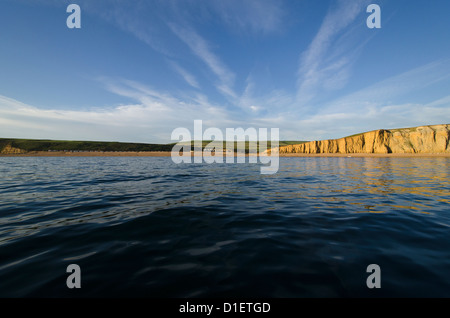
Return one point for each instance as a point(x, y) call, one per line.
point(389, 90)
point(151, 118)
point(134, 17)
point(325, 64)
point(151, 22)
point(202, 50)
point(251, 16)
point(263, 104)
point(188, 77)
point(389, 103)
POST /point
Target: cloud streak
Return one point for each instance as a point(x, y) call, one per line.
point(151, 118)
point(252, 16)
point(399, 86)
point(325, 65)
point(188, 77)
point(202, 50)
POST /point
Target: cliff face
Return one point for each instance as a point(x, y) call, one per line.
point(424, 139)
point(9, 150)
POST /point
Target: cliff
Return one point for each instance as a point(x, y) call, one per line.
point(423, 139)
point(9, 150)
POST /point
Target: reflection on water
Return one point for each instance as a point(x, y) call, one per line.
point(225, 229)
point(424, 180)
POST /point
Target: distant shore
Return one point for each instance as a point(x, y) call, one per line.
point(388, 155)
point(168, 154)
point(90, 154)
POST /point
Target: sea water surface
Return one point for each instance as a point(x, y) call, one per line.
point(146, 227)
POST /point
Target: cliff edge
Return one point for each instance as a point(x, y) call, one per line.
point(423, 139)
point(10, 150)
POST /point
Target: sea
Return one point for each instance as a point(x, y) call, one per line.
point(146, 227)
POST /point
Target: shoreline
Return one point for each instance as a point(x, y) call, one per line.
point(168, 154)
point(90, 154)
point(362, 155)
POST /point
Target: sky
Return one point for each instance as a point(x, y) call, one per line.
point(136, 70)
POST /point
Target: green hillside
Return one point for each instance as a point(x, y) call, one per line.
point(239, 145)
point(61, 145)
point(66, 145)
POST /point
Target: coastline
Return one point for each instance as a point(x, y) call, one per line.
point(91, 154)
point(168, 154)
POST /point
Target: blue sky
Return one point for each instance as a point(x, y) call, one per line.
point(136, 70)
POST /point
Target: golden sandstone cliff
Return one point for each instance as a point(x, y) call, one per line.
point(9, 150)
point(423, 139)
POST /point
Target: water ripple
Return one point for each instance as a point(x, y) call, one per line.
point(147, 227)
